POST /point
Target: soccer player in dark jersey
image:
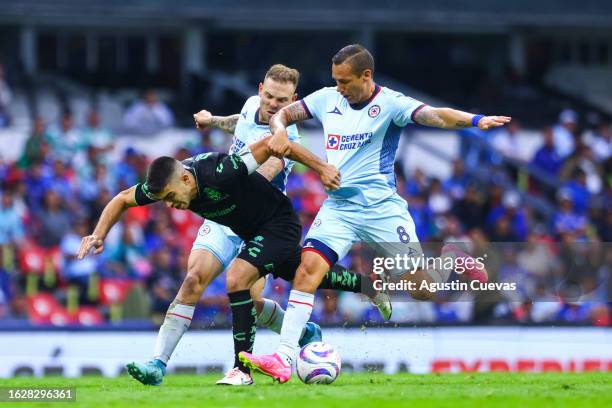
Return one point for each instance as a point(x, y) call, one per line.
point(226, 189)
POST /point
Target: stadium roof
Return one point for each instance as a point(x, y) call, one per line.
point(480, 15)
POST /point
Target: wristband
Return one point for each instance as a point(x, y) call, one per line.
point(476, 119)
point(248, 159)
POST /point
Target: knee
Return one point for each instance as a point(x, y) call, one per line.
point(306, 277)
point(193, 284)
point(234, 283)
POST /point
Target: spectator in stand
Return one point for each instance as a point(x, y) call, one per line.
point(98, 137)
point(37, 181)
point(126, 171)
point(11, 224)
point(148, 115)
point(328, 313)
point(165, 281)
point(564, 133)
point(422, 216)
point(75, 271)
point(566, 220)
point(62, 182)
point(469, 209)
point(65, 139)
point(546, 158)
point(5, 100)
point(33, 150)
point(439, 201)
point(583, 160)
point(577, 187)
point(511, 213)
point(505, 141)
point(458, 181)
point(600, 141)
point(417, 184)
point(53, 221)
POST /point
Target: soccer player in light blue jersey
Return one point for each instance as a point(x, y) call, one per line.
point(215, 245)
point(362, 122)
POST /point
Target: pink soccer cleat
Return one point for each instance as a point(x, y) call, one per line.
point(269, 364)
point(472, 274)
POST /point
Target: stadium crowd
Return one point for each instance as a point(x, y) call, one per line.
point(54, 194)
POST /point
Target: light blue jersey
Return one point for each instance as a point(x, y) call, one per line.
point(361, 140)
point(219, 239)
point(249, 130)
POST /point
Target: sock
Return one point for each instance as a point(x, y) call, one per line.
point(340, 278)
point(298, 312)
point(271, 316)
point(177, 321)
point(244, 324)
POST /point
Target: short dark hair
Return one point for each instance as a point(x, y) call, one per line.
point(159, 174)
point(357, 56)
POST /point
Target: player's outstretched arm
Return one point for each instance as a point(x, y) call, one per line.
point(204, 119)
point(259, 152)
point(330, 175)
point(109, 217)
point(287, 116)
point(447, 118)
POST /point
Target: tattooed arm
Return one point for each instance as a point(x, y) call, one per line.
point(447, 118)
point(271, 168)
point(289, 115)
point(226, 123)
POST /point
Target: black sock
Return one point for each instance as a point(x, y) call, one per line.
point(244, 324)
point(340, 278)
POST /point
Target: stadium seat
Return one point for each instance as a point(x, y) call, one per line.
point(41, 307)
point(89, 316)
point(114, 291)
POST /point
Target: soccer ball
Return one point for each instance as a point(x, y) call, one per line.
point(318, 363)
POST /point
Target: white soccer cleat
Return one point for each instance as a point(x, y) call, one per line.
point(236, 377)
point(382, 301)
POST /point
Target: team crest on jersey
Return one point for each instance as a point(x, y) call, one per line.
point(205, 230)
point(374, 111)
point(333, 142)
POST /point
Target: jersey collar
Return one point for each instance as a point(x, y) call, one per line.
point(361, 105)
point(257, 121)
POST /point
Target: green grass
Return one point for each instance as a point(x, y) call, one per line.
point(349, 391)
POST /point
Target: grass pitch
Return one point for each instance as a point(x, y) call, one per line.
point(349, 391)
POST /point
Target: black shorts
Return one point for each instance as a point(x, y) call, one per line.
point(275, 247)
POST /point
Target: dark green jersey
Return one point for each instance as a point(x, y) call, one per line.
point(228, 195)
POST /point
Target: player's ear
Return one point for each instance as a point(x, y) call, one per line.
point(366, 74)
point(294, 97)
point(260, 88)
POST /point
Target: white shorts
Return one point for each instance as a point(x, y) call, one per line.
point(387, 226)
point(219, 240)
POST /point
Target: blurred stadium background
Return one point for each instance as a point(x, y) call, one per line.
point(91, 91)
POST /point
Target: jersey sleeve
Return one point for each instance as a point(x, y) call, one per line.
point(242, 120)
point(142, 196)
point(219, 170)
point(315, 103)
point(405, 109)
